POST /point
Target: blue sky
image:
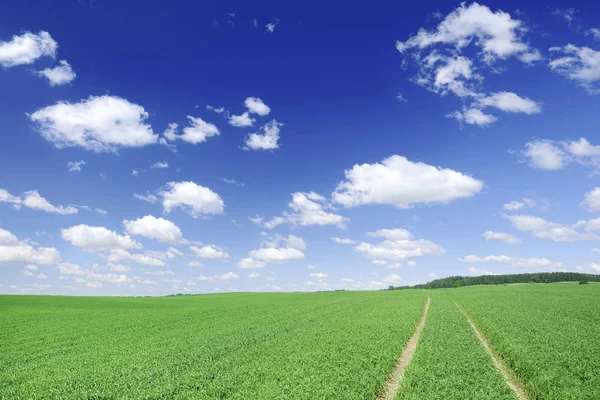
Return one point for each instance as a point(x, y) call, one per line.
point(149, 149)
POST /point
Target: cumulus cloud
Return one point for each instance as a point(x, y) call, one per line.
point(399, 244)
point(198, 131)
point(552, 155)
point(14, 251)
point(553, 231)
point(99, 123)
point(86, 274)
point(117, 255)
point(591, 201)
point(257, 106)
point(194, 199)
point(501, 236)
point(266, 138)
point(309, 208)
point(249, 262)
point(343, 240)
point(227, 276)
point(59, 75)
point(160, 165)
point(75, 165)
point(154, 228)
point(403, 183)
point(579, 64)
point(27, 48)
point(270, 254)
point(32, 199)
point(241, 121)
point(444, 69)
point(97, 238)
point(209, 251)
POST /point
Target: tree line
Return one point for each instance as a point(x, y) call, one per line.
point(539, 277)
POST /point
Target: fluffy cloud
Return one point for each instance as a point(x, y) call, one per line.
point(551, 155)
point(74, 269)
point(477, 271)
point(249, 262)
point(444, 69)
point(241, 121)
point(531, 263)
point(591, 201)
point(591, 268)
point(197, 132)
point(59, 75)
point(319, 275)
point(257, 106)
point(194, 199)
point(504, 237)
point(33, 200)
point(160, 165)
point(270, 254)
point(343, 240)
point(392, 279)
point(27, 48)
point(399, 245)
point(14, 251)
point(308, 209)
point(209, 251)
point(266, 138)
point(579, 64)
point(99, 123)
point(117, 255)
point(75, 165)
point(154, 228)
point(403, 183)
point(97, 238)
point(227, 276)
point(553, 231)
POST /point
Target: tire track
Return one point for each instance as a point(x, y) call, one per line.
point(391, 386)
point(498, 362)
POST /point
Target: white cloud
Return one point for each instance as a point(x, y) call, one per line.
point(160, 165)
point(544, 154)
point(197, 132)
point(66, 268)
point(319, 275)
point(59, 75)
point(195, 264)
point(227, 276)
point(154, 228)
point(531, 263)
point(266, 138)
point(117, 255)
point(476, 271)
point(33, 200)
point(209, 251)
point(400, 97)
point(99, 123)
point(513, 206)
point(403, 183)
point(241, 121)
point(6, 197)
point(271, 25)
point(473, 116)
point(270, 254)
point(510, 102)
point(579, 64)
point(591, 201)
point(249, 262)
point(75, 165)
point(205, 278)
point(593, 32)
point(257, 106)
point(504, 237)
point(97, 238)
point(150, 198)
point(308, 209)
point(399, 245)
point(194, 199)
point(14, 251)
point(27, 48)
point(253, 275)
point(392, 279)
point(543, 229)
point(444, 69)
point(590, 268)
point(343, 240)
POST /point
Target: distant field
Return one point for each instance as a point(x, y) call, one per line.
point(339, 345)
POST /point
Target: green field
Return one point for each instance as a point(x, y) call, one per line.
point(336, 345)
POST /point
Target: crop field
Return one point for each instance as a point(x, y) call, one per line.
point(331, 345)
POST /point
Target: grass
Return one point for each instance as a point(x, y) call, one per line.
point(336, 345)
point(548, 334)
point(234, 346)
point(450, 363)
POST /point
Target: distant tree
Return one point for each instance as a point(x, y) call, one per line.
point(584, 282)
